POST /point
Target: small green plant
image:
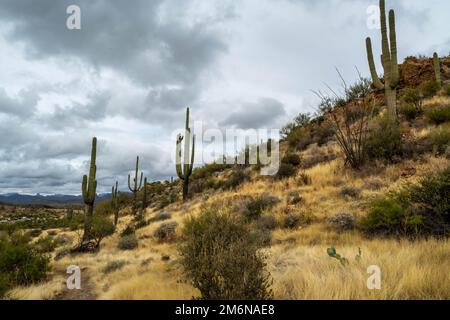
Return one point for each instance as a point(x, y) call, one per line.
point(440, 137)
point(256, 206)
point(351, 192)
point(286, 170)
point(446, 89)
point(114, 266)
point(410, 111)
point(291, 158)
point(333, 254)
point(166, 231)
point(439, 115)
point(429, 88)
point(358, 256)
point(385, 141)
point(128, 242)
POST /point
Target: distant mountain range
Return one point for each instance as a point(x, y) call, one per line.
point(52, 200)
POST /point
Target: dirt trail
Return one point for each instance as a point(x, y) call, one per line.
point(86, 292)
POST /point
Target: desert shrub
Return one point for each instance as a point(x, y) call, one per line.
point(101, 227)
point(221, 258)
point(429, 88)
point(35, 233)
point(114, 266)
point(440, 137)
point(52, 233)
point(291, 158)
point(374, 183)
point(128, 242)
point(262, 237)
point(412, 96)
point(432, 195)
point(348, 191)
point(166, 231)
point(385, 216)
point(304, 179)
point(20, 262)
point(417, 210)
point(385, 141)
point(256, 206)
point(342, 221)
point(294, 197)
point(446, 89)
point(439, 115)
point(129, 229)
point(299, 138)
point(291, 220)
point(410, 111)
point(286, 170)
point(160, 217)
point(45, 244)
point(237, 177)
point(267, 222)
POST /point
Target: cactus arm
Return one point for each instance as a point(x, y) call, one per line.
point(192, 156)
point(385, 57)
point(129, 184)
point(373, 71)
point(178, 157)
point(84, 188)
point(393, 58)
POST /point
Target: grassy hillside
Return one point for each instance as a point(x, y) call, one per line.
point(322, 202)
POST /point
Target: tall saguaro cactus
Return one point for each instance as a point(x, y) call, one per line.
point(115, 203)
point(136, 185)
point(184, 171)
point(88, 189)
point(388, 60)
point(437, 68)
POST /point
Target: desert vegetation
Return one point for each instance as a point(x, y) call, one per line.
point(364, 181)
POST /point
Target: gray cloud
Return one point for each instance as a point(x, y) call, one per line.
point(255, 115)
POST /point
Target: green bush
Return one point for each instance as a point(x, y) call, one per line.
point(267, 222)
point(385, 142)
point(114, 266)
point(446, 90)
point(221, 258)
point(429, 88)
point(160, 217)
point(439, 115)
point(418, 210)
point(128, 242)
point(101, 227)
point(20, 262)
point(410, 111)
point(351, 192)
point(166, 231)
point(291, 158)
point(45, 244)
point(385, 216)
point(440, 137)
point(237, 177)
point(129, 229)
point(286, 170)
point(412, 96)
point(256, 206)
point(292, 220)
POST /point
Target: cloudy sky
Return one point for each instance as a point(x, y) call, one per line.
point(134, 66)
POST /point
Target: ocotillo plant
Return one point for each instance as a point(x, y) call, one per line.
point(184, 171)
point(388, 60)
point(115, 203)
point(88, 188)
point(437, 68)
point(136, 186)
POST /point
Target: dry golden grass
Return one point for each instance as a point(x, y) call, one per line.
point(297, 261)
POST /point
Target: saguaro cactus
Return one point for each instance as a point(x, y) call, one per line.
point(88, 189)
point(144, 197)
point(136, 186)
point(388, 60)
point(115, 203)
point(184, 171)
point(437, 68)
